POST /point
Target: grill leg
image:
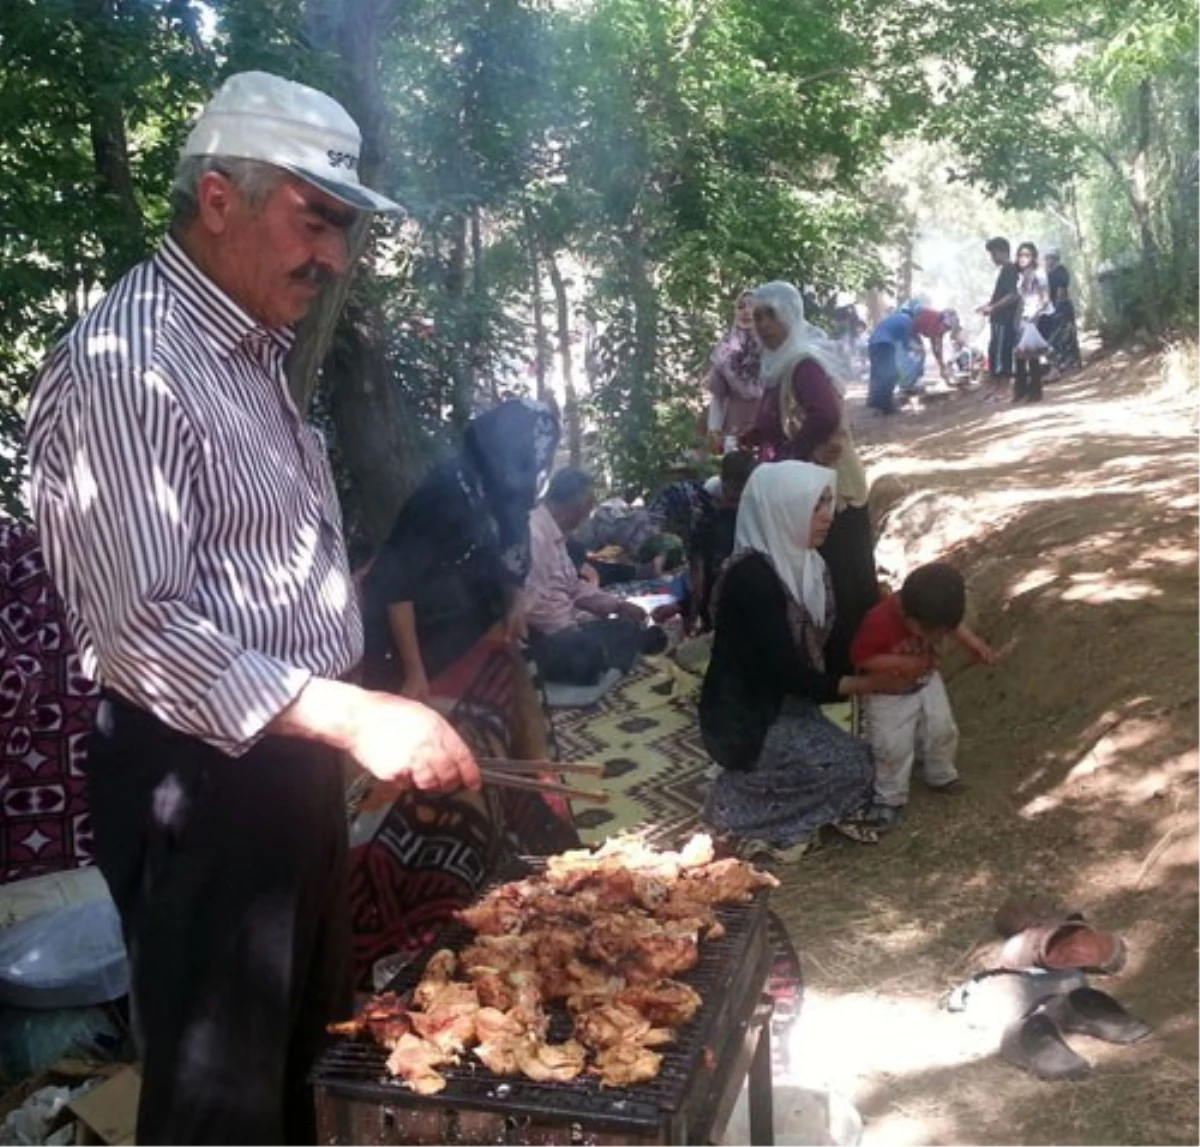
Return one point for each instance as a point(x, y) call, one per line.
point(762, 1107)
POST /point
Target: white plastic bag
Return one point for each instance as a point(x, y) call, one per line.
point(1031, 343)
point(69, 958)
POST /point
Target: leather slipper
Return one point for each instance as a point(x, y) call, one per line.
point(998, 998)
point(1036, 1045)
point(1021, 912)
point(1061, 944)
point(1087, 1011)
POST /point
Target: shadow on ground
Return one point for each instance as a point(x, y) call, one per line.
point(1076, 525)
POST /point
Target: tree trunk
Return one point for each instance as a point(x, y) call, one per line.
point(383, 453)
point(540, 341)
point(570, 395)
point(1140, 201)
point(125, 239)
point(904, 279)
point(477, 328)
point(645, 334)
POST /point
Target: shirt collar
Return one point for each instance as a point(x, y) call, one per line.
point(224, 322)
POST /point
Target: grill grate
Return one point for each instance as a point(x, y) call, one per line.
point(357, 1069)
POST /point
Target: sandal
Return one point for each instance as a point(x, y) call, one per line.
point(1062, 944)
point(883, 817)
point(1088, 1011)
point(858, 830)
point(1036, 1045)
point(1021, 912)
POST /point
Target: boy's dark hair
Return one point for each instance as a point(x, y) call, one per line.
point(934, 596)
point(999, 243)
point(736, 467)
point(569, 487)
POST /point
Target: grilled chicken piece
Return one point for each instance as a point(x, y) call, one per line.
point(623, 1064)
point(603, 1023)
point(499, 953)
point(666, 952)
point(578, 979)
point(444, 996)
point(448, 1022)
point(543, 1062)
point(665, 1004)
point(505, 1037)
point(415, 1061)
point(383, 1007)
point(728, 881)
point(384, 1019)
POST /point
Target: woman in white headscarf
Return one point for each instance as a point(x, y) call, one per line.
point(786, 769)
point(734, 386)
point(802, 416)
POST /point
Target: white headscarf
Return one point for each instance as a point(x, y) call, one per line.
point(803, 339)
point(774, 519)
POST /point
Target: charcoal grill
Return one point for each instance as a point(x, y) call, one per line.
point(690, 1101)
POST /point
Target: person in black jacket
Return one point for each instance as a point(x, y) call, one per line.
point(787, 770)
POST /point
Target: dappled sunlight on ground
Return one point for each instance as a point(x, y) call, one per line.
point(1075, 524)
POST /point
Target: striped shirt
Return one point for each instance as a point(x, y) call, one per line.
point(187, 513)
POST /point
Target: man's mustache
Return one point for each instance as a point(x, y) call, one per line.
point(315, 273)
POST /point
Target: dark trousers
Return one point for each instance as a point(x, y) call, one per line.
point(230, 878)
point(1027, 383)
point(849, 552)
point(582, 654)
point(1000, 349)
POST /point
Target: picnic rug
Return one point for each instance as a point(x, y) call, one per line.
point(646, 733)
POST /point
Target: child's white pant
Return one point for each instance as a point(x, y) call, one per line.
point(906, 726)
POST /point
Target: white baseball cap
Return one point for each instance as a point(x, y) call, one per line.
point(255, 115)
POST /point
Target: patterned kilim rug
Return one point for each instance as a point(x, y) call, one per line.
point(646, 734)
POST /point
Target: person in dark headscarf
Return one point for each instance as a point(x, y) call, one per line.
point(734, 385)
point(456, 559)
point(442, 619)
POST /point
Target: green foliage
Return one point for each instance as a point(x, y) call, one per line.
point(664, 153)
point(94, 98)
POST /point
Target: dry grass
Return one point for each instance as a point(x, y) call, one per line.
point(1076, 526)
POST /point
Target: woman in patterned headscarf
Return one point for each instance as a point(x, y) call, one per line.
point(734, 385)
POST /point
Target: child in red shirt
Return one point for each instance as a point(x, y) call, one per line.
point(902, 633)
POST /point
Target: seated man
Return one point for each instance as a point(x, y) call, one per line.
point(576, 631)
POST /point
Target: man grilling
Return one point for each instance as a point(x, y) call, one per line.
point(190, 523)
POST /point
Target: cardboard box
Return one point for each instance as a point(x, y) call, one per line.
point(108, 1113)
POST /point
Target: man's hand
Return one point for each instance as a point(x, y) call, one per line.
point(589, 574)
point(983, 309)
point(409, 745)
point(631, 612)
point(395, 739)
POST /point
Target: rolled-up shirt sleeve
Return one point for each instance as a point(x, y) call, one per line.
point(113, 499)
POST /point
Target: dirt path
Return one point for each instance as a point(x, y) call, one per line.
point(1076, 524)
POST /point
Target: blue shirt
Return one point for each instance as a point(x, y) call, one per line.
point(897, 329)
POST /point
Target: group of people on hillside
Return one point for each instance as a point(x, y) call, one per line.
point(190, 524)
point(1032, 320)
